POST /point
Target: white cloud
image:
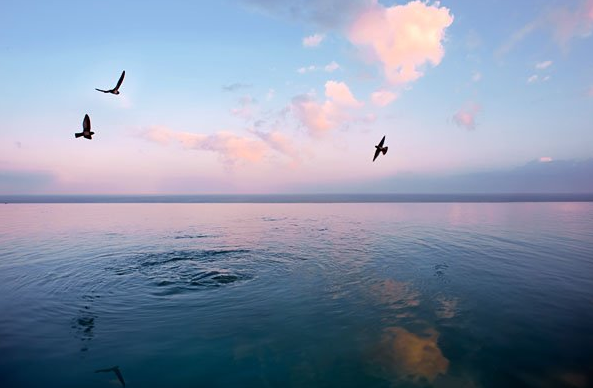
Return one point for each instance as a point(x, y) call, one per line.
point(313, 40)
point(543, 65)
point(532, 79)
point(476, 76)
point(331, 67)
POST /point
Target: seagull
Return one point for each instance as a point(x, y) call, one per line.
point(86, 129)
point(115, 90)
point(379, 148)
point(117, 373)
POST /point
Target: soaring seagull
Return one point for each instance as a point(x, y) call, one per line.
point(117, 373)
point(86, 129)
point(379, 148)
point(115, 90)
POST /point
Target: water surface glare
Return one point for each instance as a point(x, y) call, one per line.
point(297, 295)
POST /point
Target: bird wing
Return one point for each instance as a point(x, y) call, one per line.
point(86, 123)
point(101, 90)
point(120, 377)
point(382, 141)
point(377, 151)
point(121, 79)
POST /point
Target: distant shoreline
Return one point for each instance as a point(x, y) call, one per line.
point(298, 198)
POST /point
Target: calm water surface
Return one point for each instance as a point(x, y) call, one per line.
point(297, 295)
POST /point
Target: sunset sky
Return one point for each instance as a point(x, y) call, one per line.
point(271, 96)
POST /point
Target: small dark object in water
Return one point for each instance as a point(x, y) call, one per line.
point(117, 373)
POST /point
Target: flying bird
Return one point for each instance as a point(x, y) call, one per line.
point(86, 129)
point(115, 90)
point(117, 373)
point(379, 148)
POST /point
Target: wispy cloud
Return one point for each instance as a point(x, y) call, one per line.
point(383, 97)
point(543, 65)
point(247, 105)
point(536, 78)
point(331, 67)
point(231, 148)
point(545, 159)
point(466, 116)
point(236, 86)
point(326, 14)
point(403, 38)
point(313, 40)
point(563, 23)
point(476, 76)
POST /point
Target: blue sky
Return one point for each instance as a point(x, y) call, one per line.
point(227, 97)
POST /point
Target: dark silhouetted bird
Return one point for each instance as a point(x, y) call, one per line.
point(117, 372)
point(379, 148)
point(115, 90)
point(86, 129)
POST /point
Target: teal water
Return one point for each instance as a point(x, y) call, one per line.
point(297, 295)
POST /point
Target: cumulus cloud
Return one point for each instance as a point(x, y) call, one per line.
point(466, 116)
point(383, 97)
point(403, 38)
point(543, 65)
point(230, 147)
point(313, 40)
point(333, 112)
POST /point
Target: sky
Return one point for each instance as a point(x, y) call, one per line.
point(279, 96)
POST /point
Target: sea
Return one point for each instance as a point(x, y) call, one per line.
point(296, 291)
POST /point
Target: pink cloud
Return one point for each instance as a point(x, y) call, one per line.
point(230, 147)
point(466, 116)
point(545, 159)
point(591, 91)
point(333, 112)
point(403, 38)
point(340, 94)
point(313, 40)
point(383, 97)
